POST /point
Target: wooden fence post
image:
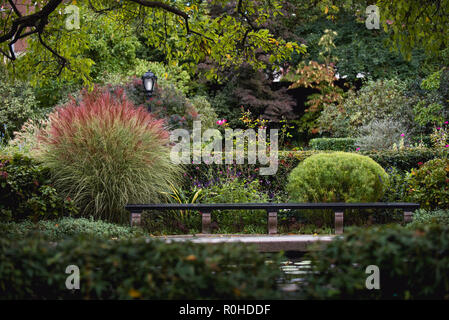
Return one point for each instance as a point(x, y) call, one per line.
point(338, 222)
point(205, 222)
point(272, 222)
point(136, 218)
point(408, 216)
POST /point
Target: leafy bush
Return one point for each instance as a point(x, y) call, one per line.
point(207, 114)
point(104, 153)
point(403, 159)
point(56, 230)
point(429, 185)
point(237, 191)
point(377, 100)
point(337, 177)
point(335, 144)
point(26, 192)
point(381, 135)
point(424, 217)
point(139, 269)
point(413, 264)
point(17, 104)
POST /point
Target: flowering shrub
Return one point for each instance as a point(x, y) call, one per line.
point(440, 136)
point(429, 185)
point(25, 191)
point(104, 153)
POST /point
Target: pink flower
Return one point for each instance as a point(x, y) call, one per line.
point(220, 122)
point(389, 21)
point(358, 149)
point(438, 128)
point(446, 146)
point(402, 135)
point(446, 122)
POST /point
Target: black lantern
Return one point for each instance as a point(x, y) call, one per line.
point(149, 80)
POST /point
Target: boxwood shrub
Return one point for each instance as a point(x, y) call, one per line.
point(335, 144)
point(337, 177)
point(135, 269)
point(413, 264)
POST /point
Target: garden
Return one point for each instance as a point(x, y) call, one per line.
point(94, 96)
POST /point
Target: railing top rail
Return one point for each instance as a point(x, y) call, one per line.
point(272, 206)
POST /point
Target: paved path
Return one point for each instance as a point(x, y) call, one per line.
point(264, 243)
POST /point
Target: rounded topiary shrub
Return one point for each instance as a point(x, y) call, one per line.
point(103, 152)
point(337, 177)
point(429, 185)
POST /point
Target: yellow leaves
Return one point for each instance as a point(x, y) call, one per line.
point(326, 10)
point(134, 293)
point(191, 258)
point(289, 45)
point(237, 292)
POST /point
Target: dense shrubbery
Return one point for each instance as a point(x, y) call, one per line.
point(237, 191)
point(17, 104)
point(104, 153)
point(413, 264)
point(56, 230)
point(337, 177)
point(26, 192)
point(126, 269)
point(377, 100)
point(429, 185)
point(405, 159)
point(423, 217)
point(335, 144)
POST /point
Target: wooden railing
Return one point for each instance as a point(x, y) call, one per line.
point(272, 210)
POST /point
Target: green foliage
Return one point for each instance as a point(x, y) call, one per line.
point(135, 269)
point(17, 104)
point(429, 185)
point(237, 191)
point(413, 25)
point(60, 229)
point(377, 100)
point(413, 264)
point(171, 104)
point(167, 75)
point(207, 114)
point(337, 177)
point(357, 49)
point(26, 192)
point(424, 217)
point(103, 152)
point(193, 35)
point(335, 144)
point(405, 159)
point(382, 134)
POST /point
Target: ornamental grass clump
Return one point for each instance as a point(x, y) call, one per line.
point(103, 152)
point(337, 177)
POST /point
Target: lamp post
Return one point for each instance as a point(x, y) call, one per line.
point(149, 80)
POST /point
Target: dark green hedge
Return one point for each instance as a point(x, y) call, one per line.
point(206, 174)
point(413, 264)
point(126, 269)
point(334, 144)
point(26, 191)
